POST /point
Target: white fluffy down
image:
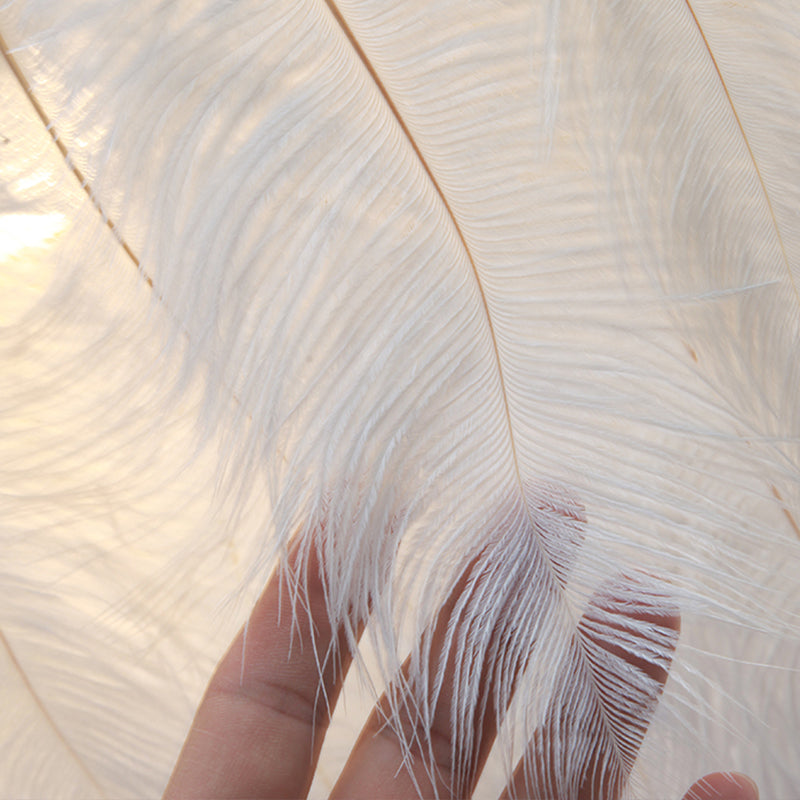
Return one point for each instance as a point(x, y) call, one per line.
point(515, 281)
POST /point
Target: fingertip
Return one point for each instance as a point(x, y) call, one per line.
point(560, 522)
point(642, 596)
point(723, 786)
point(636, 618)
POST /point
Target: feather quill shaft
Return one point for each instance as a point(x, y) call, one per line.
point(418, 284)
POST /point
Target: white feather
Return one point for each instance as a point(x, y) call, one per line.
point(509, 281)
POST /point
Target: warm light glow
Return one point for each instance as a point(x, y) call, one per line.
point(18, 231)
point(22, 279)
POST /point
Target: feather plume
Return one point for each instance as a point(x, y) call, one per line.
point(433, 287)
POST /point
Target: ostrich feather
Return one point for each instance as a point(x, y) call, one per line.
point(424, 285)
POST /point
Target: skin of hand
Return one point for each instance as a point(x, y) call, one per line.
point(258, 730)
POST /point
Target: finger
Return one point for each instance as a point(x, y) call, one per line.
point(723, 786)
point(595, 725)
point(431, 762)
point(445, 705)
point(259, 728)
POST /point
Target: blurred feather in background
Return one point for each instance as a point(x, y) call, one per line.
point(434, 282)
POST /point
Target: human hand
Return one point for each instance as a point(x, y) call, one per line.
point(260, 726)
